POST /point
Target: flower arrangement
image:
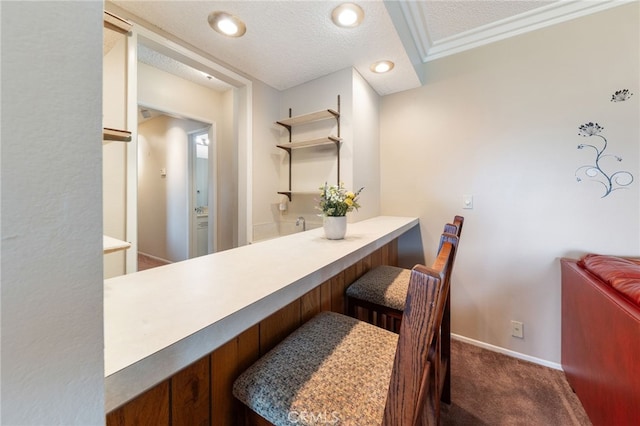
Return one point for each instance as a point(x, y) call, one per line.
point(335, 200)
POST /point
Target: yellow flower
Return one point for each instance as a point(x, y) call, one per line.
point(350, 195)
point(348, 202)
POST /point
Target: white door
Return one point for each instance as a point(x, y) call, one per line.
point(202, 189)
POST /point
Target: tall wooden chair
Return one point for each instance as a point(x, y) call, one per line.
point(336, 368)
point(381, 293)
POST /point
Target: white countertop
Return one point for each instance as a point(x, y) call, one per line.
point(158, 321)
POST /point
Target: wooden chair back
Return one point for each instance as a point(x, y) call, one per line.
point(440, 354)
point(411, 390)
point(455, 227)
point(458, 221)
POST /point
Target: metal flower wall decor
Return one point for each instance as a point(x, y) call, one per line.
point(611, 181)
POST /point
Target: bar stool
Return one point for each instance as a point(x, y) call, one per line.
point(382, 291)
point(335, 368)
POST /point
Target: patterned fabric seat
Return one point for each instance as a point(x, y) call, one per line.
point(336, 369)
point(382, 291)
point(384, 285)
point(319, 375)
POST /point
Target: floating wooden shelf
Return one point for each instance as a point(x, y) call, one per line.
point(116, 135)
point(116, 23)
point(314, 142)
point(308, 118)
point(116, 29)
point(111, 245)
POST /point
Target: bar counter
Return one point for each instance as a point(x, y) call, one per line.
point(159, 321)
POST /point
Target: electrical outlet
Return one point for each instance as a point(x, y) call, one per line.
point(517, 329)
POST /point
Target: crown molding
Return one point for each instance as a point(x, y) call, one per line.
point(561, 11)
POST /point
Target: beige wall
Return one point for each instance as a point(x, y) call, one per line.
point(166, 92)
point(163, 201)
point(227, 174)
point(114, 153)
point(501, 123)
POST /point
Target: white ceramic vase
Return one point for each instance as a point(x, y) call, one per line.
point(335, 227)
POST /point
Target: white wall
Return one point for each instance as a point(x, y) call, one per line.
point(366, 147)
point(51, 262)
point(266, 162)
point(501, 123)
point(311, 167)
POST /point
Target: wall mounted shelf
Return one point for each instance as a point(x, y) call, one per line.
point(116, 23)
point(313, 142)
point(111, 245)
point(116, 135)
point(309, 118)
point(301, 120)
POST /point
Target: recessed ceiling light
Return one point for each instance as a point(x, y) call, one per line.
point(227, 24)
point(382, 66)
point(347, 15)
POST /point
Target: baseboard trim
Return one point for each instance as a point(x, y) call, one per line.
point(150, 256)
point(507, 352)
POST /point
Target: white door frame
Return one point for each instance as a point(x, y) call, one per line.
point(243, 93)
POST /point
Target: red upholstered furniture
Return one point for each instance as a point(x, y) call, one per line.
point(601, 336)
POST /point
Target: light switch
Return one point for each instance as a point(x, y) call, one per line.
point(163, 172)
point(467, 201)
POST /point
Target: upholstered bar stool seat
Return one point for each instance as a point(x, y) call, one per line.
point(336, 369)
point(382, 291)
point(322, 365)
point(384, 285)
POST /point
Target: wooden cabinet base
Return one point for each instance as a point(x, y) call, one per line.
point(200, 394)
point(151, 408)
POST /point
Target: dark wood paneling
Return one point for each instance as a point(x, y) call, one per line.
point(310, 305)
point(190, 395)
point(227, 362)
point(149, 409)
point(337, 293)
point(279, 325)
point(325, 296)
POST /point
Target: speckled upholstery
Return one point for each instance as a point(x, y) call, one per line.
point(332, 370)
point(384, 285)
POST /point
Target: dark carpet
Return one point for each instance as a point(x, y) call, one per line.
point(489, 388)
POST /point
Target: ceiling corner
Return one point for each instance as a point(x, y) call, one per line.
point(416, 19)
point(412, 33)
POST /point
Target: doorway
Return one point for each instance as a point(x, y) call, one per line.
point(166, 172)
point(234, 139)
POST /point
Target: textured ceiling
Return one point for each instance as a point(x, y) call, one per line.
point(288, 43)
point(448, 18)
